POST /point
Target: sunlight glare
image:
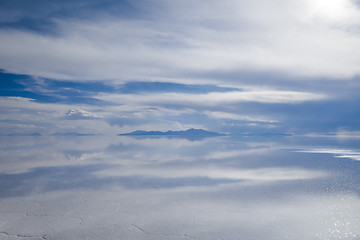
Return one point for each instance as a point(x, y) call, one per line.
point(333, 10)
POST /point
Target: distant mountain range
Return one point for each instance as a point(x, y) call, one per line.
point(188, 134)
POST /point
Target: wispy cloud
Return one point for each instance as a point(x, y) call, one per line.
point(216, 98)
point(300, 38)
point(24, 115)
point(262, 174)
point(157, 63)
point(234, 116)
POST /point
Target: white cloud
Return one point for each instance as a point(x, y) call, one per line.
point(337, 12)
point(300, 38)
point(80, 114)
point(214, 98)
point(347, 134)
point(260, 174)
point(17, 104)
point(236, 153)
point(234, 116)
point(341, 134)
point(23, 115)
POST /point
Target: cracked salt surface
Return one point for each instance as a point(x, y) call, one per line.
point(18, 236)
point(258, 190)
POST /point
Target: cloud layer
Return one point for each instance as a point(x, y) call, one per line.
point(298, 38)
point(234, 66)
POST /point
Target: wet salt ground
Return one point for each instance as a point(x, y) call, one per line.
point(98, 187)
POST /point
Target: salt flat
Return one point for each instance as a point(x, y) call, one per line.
point(96, 187)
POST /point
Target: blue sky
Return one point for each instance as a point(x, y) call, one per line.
point(234, 66)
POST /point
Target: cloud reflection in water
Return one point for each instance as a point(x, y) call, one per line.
point(98, 187)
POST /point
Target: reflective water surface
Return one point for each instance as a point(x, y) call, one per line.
point(97, 187)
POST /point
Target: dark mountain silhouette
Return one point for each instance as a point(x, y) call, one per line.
point(191, 134)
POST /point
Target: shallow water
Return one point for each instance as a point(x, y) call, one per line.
point(97, 187)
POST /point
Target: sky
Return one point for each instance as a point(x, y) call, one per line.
point(231, 66)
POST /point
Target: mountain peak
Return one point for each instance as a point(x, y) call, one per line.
point(190, 133)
